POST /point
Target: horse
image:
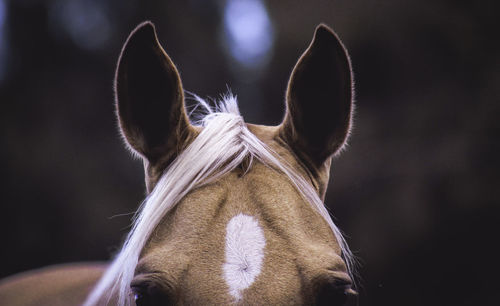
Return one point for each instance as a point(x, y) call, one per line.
point(234, 212)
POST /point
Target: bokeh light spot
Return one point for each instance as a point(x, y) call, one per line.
point(248, 32)
point(85, 22)
point(3, 41)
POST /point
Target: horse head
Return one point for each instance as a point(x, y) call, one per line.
point(234, 212)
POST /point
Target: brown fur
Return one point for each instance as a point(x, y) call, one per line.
point(300, 246)
point(60, 285)
point(182, 262)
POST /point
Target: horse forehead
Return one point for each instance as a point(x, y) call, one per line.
point(261, 192)
point(285, 240)
point(191, 239)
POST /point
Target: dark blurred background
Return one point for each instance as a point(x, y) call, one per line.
point(416, 192)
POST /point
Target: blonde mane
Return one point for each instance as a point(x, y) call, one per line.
point(223, 144)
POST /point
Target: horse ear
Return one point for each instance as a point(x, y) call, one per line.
point(319, 99)
point(149, 96)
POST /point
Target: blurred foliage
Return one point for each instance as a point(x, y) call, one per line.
point(416, 192)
